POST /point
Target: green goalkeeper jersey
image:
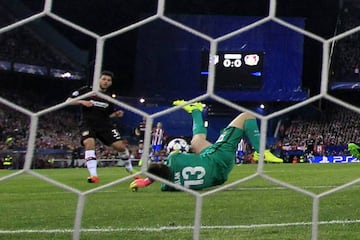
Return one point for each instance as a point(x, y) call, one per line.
point(209, 168)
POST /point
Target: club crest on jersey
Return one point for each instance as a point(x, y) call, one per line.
point(85, 133)
point(75, 94)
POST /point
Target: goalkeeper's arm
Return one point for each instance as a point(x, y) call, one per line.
point(160, 170)
point(141, 182)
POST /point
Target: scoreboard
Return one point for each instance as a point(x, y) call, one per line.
point(234, 70)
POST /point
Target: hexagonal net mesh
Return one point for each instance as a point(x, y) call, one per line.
point(47, 11)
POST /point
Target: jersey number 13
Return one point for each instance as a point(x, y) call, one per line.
point(193, 176)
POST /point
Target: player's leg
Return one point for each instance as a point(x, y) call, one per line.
point(248, 123)
point(198, 141)
point(124, 155)
point(121, 146)
point(111, 137)
point(156, 152)
point(153, 153)
point(90, 156)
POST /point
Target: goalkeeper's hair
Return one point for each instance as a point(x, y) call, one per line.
point(159, 170)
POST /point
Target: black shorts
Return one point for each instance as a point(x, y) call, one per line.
point(107, 135)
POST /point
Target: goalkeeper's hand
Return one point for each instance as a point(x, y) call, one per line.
point(140, 182)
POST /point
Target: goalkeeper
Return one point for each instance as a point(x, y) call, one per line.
point(210, 164)
point(354, 150)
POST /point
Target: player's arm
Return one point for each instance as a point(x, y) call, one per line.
point(137, 131)
point(82, 102)
point(140, 182)
point(77, 93)
point(118, 113)
point(159, 170)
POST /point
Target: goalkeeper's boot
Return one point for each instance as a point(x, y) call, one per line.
point(270, 157)
point(354, 150)
point(93, 179)
point(256, 156)
point(190, 107)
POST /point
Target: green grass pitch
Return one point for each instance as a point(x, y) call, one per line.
point(31, 208)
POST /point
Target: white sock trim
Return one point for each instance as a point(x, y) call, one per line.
point(92, 167)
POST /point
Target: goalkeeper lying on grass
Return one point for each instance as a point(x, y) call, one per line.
point(210, 164)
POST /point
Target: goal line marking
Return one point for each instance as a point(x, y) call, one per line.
point(167, 228)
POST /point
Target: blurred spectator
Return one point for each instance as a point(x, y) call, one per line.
point(345, 59)
point(139, 130)
point(158, 138)
point(21, 46)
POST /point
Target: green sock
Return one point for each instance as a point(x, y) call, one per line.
point(252, 132)
point(198, 123)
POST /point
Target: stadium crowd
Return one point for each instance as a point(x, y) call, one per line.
point(336, 127)
point(346, 58)
point(58, 131)
point(22, 45)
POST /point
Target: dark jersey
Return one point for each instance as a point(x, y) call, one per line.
point(310, 144)
point(98, 114)
point(140, 130)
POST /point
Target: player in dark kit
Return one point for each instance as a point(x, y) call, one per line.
point(209, 164)
point(96, 124)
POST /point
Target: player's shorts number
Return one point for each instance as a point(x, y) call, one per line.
point(116, 133)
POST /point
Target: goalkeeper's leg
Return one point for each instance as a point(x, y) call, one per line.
point(198, 141)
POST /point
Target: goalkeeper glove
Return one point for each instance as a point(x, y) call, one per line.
point(140, 182)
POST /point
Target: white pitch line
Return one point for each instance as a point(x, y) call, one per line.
point(232, 189)
point(53, 193)
point(277, 188)
point(167, 228)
